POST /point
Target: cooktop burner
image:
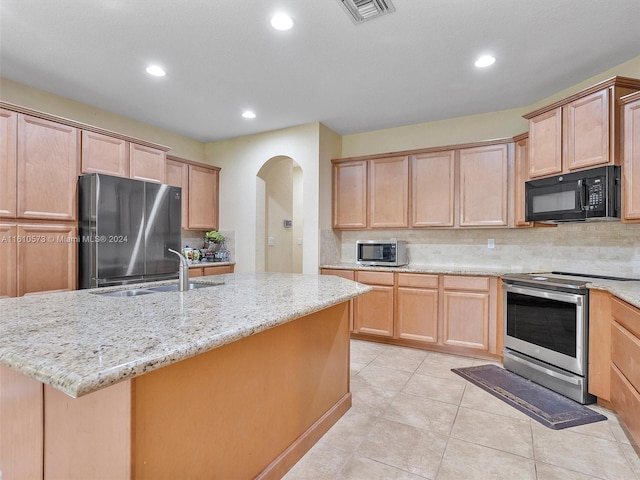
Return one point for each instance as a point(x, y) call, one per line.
point(555, 279)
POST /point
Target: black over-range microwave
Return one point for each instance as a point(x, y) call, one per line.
point(592, 194)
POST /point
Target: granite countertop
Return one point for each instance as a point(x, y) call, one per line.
point(629, 291)
point(80, 342)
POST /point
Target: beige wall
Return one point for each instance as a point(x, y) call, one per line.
point(18, 94)
point(506, 123)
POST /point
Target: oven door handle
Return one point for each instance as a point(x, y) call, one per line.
point(575, 298)
point(552, 373)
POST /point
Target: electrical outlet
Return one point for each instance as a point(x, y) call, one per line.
point(491, 243)
point(271, 241)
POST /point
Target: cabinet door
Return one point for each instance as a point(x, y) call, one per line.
point(349, 275)
point(631, 170)
point(8, 265)
point(484, 185)
point(433, 187)
point(520, 177)
point(203, 198)
point(177, 175)
point(53, 245)
point(586, 136)
point(417, 314)
point(466, 319)
point(373, 312)
point(104, 154)
point(388, 192)
point(8, 162)
point(350, 195)
point(48, 167)
point(146, 163)
point(545, 144)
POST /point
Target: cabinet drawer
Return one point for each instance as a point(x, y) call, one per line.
point(626, 315)
point(418, 280)
point(626, 401)
point(459, 282)
point(217, 269)
point(625, 353)
point(348, 274)
point(195, 272)
point(375, 278)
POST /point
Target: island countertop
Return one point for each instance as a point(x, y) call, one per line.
point(80, 342)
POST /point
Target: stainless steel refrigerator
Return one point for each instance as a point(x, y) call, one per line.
point(125, 230)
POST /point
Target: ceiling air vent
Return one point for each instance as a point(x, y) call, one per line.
point(362, 10)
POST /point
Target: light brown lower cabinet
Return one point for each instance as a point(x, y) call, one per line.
point(373, 311)
point(625, 365)
point(349, 275)
point(37, 257)
point(210, 270)
point(449, 313)
point(599, 380)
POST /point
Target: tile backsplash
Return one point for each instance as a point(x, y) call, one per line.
point(606, 248)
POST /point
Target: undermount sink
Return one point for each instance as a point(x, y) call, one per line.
point(134, 292)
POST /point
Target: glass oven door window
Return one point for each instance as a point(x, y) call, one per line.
point(547, 323)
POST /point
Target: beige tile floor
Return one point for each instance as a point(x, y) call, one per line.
point(412, 418)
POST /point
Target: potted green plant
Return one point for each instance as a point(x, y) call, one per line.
point(214, 239)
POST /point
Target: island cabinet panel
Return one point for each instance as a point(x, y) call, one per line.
point(146, 163)
point(586, 138)
point(417, 307)
point(203, 197)
point(48, 167)
point(104, 154)
point(600, 344)
point(433, 189)
point(484, 186)
point(88, 437)
point(374, 311)
point(8, 162)
point(177, 175)
point(21, 426)
point(57, 246)
point(631, 169)
point(466, 307)
point(388, 192)
point(8, 260)
point(545, 144)
point(230, 412)
point(350, 195)
point(349, 275)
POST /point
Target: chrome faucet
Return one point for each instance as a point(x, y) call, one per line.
point(183, 272)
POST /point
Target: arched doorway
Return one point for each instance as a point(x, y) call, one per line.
point(279, 217)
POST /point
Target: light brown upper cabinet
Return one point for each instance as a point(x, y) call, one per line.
point(104, 154)
point(521, 167)
point(581, 131)
point(146, 163)
point(8, 162)
point(350, 195)
point(200, 197)
point(388, 189)
point(203, 197)
point(484, 186)
point(631, 156)
point(433, 189)
point(48, 167)
point(177, 175)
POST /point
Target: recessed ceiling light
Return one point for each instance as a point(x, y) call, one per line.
point(248, 114)
point(281, 21)
point(485, 61)
point(156, 71)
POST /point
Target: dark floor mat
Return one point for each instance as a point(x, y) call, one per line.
point(547, 407)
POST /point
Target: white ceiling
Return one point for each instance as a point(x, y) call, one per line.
point(222, 57)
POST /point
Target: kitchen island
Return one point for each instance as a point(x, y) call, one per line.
point(236, 380)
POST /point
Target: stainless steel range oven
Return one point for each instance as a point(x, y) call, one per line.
point(546, 325)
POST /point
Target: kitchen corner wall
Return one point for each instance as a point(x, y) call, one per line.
point(606, 248)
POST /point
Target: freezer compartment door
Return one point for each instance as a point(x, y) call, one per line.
point(163, 230)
